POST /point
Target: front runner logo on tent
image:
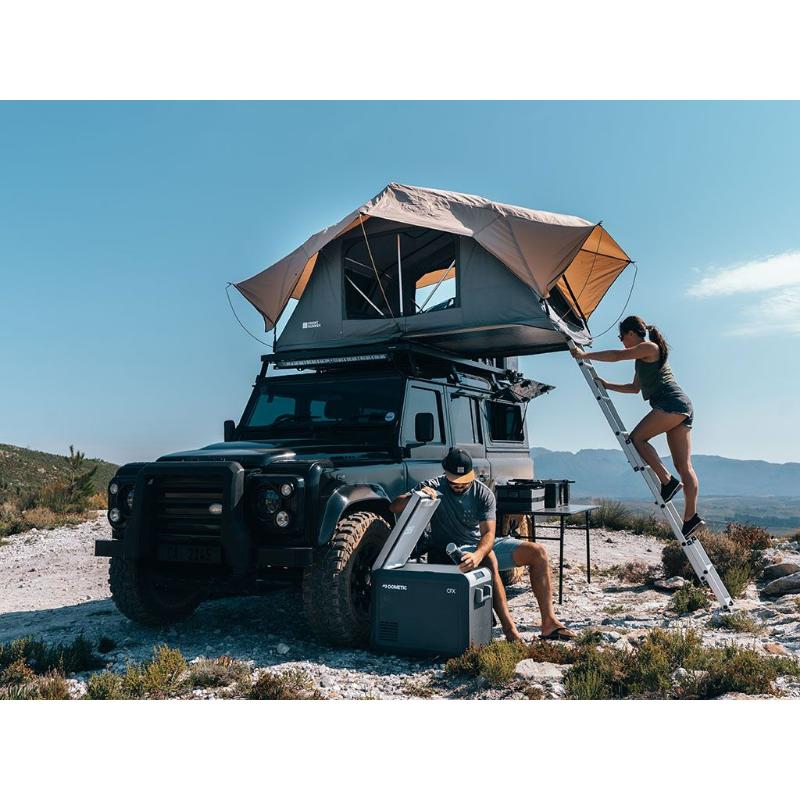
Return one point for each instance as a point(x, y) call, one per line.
point(312, 324)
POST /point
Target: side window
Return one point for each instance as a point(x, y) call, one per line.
point(465, 421)
point(420, 400)
point(505, 422)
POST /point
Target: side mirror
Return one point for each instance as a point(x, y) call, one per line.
point(229, 430)
point(423, 427)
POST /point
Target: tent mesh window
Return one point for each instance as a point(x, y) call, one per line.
point(505, 422)
point(427, 281)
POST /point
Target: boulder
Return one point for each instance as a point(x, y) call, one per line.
point(671, 584)
point(787, 585)
point(775, 571)
point(540, 671)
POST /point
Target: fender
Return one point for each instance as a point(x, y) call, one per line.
point(345, 497)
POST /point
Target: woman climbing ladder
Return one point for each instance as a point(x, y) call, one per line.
point(672, 410)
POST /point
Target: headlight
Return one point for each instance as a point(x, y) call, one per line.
point(286, 489)
point(271, 500)
point(113, 488)
point(129, 499)
point(115, 515)
point(282, 519)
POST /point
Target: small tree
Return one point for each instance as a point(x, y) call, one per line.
point(80, 482)
point(72, 492)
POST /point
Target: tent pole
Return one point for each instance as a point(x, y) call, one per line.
point(400, 275)
point(364, 296)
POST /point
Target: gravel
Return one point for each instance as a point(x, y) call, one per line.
point(52, 587)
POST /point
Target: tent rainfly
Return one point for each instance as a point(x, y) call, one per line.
point(451, 270)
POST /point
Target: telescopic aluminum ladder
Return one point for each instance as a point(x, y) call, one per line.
point(691, 545)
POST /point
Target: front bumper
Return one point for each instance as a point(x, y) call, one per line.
point(264, 556)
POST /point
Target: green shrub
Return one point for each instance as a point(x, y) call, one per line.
point(648, 671)
point(11, 520)
point(105, 685)
point(689, 598)
point(495, 662)
point(17, 673)
point(551, 652)
point(649, 525)
point(612, 515)
point(739, 621)
point(76, 656)
point(737, 579)
point(739, 669)
point(721, 549)
point(751, 537)
point(290, 684)
point(106, 645)
point(156, 678)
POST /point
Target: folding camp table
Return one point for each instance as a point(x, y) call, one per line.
point(563, 512)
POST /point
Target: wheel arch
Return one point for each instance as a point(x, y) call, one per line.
point(357, 497)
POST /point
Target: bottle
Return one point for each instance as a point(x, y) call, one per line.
point(454, 553)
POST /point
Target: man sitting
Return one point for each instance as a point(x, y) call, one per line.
point(466, 517)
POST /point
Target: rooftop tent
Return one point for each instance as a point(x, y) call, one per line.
point(446, 269)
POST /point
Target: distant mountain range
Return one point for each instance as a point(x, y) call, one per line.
point(606, 473)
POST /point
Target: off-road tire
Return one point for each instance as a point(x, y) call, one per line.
point(142, 598)
point(336, 587)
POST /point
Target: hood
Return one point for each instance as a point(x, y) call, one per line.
point(259, 454)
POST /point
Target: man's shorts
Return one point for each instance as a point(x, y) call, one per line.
point(504, 547)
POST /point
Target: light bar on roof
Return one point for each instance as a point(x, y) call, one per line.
point(316, 362)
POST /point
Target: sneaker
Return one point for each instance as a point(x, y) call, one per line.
point(690, 524)
point(670, 489)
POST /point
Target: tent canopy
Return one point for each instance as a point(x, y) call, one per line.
point(555, 256)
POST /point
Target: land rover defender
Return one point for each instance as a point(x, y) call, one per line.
point(300, 487)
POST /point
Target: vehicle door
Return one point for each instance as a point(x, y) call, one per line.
point(423, 461)
point(466, 431)
point(507, 447)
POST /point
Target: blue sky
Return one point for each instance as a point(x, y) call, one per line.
point(120, 224)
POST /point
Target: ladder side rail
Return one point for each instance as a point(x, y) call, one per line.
point(694, 550)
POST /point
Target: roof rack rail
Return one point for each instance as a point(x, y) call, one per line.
point(384, 352)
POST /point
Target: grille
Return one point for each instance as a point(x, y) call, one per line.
point(388, 631)
point(181, 507)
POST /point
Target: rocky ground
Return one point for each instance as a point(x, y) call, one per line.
point(53, 588)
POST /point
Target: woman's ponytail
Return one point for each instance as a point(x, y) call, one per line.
point(655, 336)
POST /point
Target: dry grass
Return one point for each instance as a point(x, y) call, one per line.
point(739, 621)
point(214, 672)
point(495, 662)
point(289, 684)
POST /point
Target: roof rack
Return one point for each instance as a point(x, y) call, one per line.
point(345, 356)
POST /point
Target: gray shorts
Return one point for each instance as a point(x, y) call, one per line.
point(504, 547)
point(675, 403)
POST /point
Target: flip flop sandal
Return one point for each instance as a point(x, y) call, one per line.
point(559, 635)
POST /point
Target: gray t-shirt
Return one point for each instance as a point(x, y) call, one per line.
point(457, 517)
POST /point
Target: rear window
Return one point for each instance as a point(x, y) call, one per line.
point(505, 422)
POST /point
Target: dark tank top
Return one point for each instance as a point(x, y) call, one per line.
point(655, 379)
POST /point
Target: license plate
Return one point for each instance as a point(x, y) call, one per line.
point(190, 553)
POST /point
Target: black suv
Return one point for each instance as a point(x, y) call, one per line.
point(301, 486)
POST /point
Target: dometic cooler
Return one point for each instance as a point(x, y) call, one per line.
point(426, 609)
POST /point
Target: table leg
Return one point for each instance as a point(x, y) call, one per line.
point(561, 564)
point(532, 527)
point(588, 557)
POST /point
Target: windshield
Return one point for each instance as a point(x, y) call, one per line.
point(325, 403)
